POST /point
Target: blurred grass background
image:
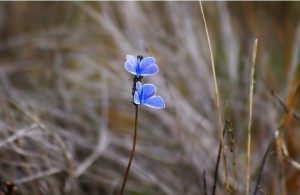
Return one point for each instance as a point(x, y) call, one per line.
point(66, 115)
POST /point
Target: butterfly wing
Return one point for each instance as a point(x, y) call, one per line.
point(137, 94)
point(136, 98)
point(138, 87)
point(148, 90)
point(131, 64)
point(155, 102)
point(148, 67)
point(150, 70)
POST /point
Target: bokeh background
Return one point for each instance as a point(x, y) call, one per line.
point(67, 119)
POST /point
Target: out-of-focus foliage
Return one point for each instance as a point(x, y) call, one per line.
point(66, 114)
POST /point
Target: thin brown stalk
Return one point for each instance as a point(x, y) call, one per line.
point(132, 151)
point(281, 161)
point(250, 115)
point(204, 183)
point(262, 166)
point(228, 121)
point(218, 109)
point(217, 164)
point(286, 156)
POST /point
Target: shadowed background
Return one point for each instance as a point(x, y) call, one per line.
point(67, 119)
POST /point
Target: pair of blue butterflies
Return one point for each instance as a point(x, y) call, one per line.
point(144, 94)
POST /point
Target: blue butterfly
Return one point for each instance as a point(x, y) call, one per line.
point(145, 95)
point(141, 66)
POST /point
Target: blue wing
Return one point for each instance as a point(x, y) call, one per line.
point(131, 64)
point(147, 61)
point(150, 70)
point(155, 102)
point(137, 93)
point(138, 87)
point(136, 98)
point(148, 67)
point(148, 90)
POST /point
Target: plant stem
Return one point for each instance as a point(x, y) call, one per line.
point(218, 108)
point(250, 116)
point(262, 167)
point(204, 183)
point(132, 151)
point(217, 164)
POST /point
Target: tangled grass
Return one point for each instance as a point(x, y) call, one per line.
point(66, 114)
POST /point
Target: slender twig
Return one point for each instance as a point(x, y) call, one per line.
point(250, 115)
point(217, 163)
point(262, 166)
point(285, 107)
point(204, 183)
point(286, 156)
point(132, 151)
point(218, 109)
point(281, 162)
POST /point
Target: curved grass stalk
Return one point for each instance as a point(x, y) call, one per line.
point(217, 102)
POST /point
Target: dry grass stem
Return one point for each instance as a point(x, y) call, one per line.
point(250, 115)
point(218, 108)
